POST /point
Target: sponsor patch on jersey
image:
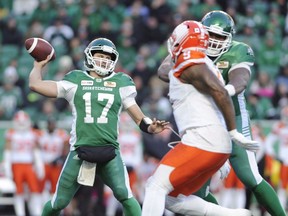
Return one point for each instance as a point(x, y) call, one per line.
point(86, 82)
point(222, 64)
point(110, 84)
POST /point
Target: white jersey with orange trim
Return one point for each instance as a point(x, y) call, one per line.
point(280, 133)
point(130, 140)
point(202, 109)
point(22, 145)
point(52, 144)
point(131, 149)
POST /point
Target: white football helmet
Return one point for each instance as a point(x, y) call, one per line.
point(189, 35)
point(21, 121)
point(101, 66)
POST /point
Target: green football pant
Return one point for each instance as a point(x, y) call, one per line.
point(113, 174)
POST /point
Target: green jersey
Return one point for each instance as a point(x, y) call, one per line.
point(96, 104)
point(239, 55)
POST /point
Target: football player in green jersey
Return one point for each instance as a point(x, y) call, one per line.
point(96, 97)
point(234, 59)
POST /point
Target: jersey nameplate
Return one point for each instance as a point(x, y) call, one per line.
point(222, 64)
point(86, 82)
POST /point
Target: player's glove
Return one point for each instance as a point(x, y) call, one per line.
point(225, 170)
point(242, 141)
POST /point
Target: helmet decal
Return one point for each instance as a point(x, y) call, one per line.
point(222, 25)
point(187, 35)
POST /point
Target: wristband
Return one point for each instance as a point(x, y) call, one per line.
point(144, 124)
point(233, 132)
point(230, 89)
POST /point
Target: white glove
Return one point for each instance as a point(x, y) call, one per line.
point(242, 141)
point(39, 165)
point(7, 164)
point(224, 170)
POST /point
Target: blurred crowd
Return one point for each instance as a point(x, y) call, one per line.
point(139, 29)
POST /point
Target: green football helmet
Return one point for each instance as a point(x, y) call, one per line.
point(221, 25)
point(101, 66)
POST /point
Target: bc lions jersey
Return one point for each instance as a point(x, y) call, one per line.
point(202, 108)
point(22, 145)
point(52, 144)
point(96, 104)
point(279, 134)
point(239, 55)
point(130, 139)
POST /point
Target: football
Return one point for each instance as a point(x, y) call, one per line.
point(39, 49)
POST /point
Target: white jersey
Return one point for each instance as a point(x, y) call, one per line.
point(131, 148)
point(193, 109)
point(130, 140)
point(283, 148)
point(279, 134)
point(202, 108)
point(52, 144)
point(22, 145)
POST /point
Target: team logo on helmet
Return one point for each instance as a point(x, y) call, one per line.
point(189, 35)
point(221, 24)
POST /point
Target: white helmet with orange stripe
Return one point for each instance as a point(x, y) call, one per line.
point(21, 121)
point(189, 35)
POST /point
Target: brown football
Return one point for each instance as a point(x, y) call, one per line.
point(39, 49)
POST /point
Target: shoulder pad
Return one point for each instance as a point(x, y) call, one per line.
point(242, 52)
point(72, 75)
point(124, 78)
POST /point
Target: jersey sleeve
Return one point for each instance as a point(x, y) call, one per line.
point(187, 59)
point(243, 54)
point(127, 91)
point(64, 86)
